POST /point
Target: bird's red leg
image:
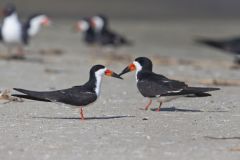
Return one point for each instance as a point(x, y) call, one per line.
point(159, 108)
point(81, 114)
point(20, 52)
point(147, 106)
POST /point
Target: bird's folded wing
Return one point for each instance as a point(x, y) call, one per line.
point(69, 96)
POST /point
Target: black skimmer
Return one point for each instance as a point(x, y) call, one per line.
point(152, 85)
point(84, 26)
point(14, 33)
point(231, 45)
point(77, 96)
point(104, 35)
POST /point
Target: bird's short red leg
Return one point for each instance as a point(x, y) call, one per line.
point(20, 51)
point(81, 114)
point(147, 106)
point(159, 108)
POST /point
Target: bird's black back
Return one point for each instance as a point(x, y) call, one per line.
point(151, 84)
point(154, 85)
point(108, 37)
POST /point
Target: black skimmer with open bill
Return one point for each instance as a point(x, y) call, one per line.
point(104, 35)
point(157, 86)
point(77, 96)
point(13, 33)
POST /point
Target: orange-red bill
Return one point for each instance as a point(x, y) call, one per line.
point(129, 68)
point(112, 74)
point(46, 22)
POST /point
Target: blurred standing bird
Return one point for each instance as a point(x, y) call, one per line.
point(230, 45)
point(104, 35)
point(157, 86)
point(77, 96)
point(13, 33)
point(84, 26)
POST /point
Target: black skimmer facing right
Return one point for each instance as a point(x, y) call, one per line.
point(104, 35)
point(14, 33)
point(77, 96)
point(231, 45)
point(152, 85)
point(84, 25)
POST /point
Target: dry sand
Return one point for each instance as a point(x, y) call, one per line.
point(116, 127)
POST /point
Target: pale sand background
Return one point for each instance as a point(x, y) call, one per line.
point(36, 130)
point(116, 129)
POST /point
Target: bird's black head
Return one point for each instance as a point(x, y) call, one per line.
point(9, 9)
point(139, 64)
point(145, 62)
point(100, 70)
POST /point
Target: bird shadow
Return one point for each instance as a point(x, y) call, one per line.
point(174, 109)
point(222, 138)
point(22, 59)
point(86, 118)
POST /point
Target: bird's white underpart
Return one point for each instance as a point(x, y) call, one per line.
point(98, 76)
point(138, 68)
point(12, 30)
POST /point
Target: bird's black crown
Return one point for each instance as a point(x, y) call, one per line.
point(9, 9)
point(95, 68)
point(145, 62)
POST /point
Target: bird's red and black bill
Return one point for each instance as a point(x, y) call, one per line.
point(112, 74)
point(46, 21)
point(129, 68)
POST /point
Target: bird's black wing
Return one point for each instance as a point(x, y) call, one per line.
point(90, 36)
point(230, 45)
point(76, 96)
point(0, 33)
point(154, 85)
point(233, 45)
point(25, 36)
point(109, 37)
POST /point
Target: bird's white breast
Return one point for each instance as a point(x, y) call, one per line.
point(12, 30)
point(98, 76)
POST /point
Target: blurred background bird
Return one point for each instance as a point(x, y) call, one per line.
point(229, 45)
point(104, 35)
point(84, 26)
point(15, 34)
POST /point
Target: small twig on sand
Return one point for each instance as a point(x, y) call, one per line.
point(6, 95)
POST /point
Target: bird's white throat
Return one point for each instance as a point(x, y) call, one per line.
point(138, 68)
point(35, 25)
point(98, 76)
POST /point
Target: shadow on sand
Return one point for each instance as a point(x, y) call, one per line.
point(174, 109)
point(222, 138)
point(86, 118)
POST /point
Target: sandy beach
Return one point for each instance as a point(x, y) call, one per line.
point(115, 126)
